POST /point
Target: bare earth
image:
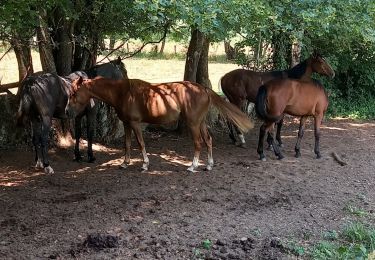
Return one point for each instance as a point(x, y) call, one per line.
point(244, 207)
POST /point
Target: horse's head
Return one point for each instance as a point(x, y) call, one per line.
point(321, 66)
point(79, 96)
point(121, 67)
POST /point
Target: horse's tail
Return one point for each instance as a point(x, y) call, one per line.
point(219, 85)
point(261, 105)
point(231, 112)
point(23, 109)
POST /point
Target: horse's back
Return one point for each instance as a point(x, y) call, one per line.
point(297, 97)
point(243, 84)
point(166, 102)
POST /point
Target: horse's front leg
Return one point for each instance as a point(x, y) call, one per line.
point(46, 126)
point(128, 135)
point(37, 134)
point(77, 133)
point(317, 123)
point(91, 123)
point(301, 131)
point(138, 134)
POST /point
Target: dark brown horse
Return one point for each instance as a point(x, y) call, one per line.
point(293, 97)
point(45, 96)
point(241, 86)
point(137, 101)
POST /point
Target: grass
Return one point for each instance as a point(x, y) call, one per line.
point(355, 241)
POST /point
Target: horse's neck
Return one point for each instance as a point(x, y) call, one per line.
point(107, 91)
point(300, 71)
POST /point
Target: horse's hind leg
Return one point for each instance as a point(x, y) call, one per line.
point(278, 135)
point(278, 131)
point(128, 135)
point(208, 141)
point(264, 129)
point(262, 133)
point(37, 133)
point(138, 133)
point(90, 133)
point(318, 122)
point(46, 126)
point(231, 131)
point(301, 131)
point(195, 132)
point(78, 133)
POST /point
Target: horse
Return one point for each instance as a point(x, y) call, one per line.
point(137, 101)
point(113, 70)
point(293, 97)
point(45, 96)
point(241, 86)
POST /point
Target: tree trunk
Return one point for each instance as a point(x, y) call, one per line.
point(296, 54)
point(64, 40)
point(24, 60)
point(162, 46)
point(230, 52)
point(281, 50)
point(202, 69)
point(203, 78)
point(45, 45)
point(193, 55)
point(112, 42)
point(10, 135)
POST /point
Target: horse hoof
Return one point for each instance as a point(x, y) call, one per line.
point(191, 169)
point(270, 148)
point(262, 158)
point(77, 158)
point(39, 165)
point(298, 155)
point(208, 168)
point(48, 170)
point(318, 156)
point(280, 157)
point(241, 145)
point(91, 159)
point(123, 166)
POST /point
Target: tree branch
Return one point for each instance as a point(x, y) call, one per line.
point(6, 53)
point(166, 27)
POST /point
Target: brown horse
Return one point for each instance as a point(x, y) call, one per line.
point(293, 97)
point(137, 101)
point(241, 86)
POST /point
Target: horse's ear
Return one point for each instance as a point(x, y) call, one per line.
point(79, 80)
point(119, 60)
point(316, 54)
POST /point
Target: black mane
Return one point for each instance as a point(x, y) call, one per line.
point(297, 71)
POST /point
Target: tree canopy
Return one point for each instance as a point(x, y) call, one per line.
point(343, 31)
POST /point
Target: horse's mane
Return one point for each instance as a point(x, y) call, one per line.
point(319, 85)
point(297, 71)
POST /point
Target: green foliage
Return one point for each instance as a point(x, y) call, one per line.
point(207, 244)
point(356, 241)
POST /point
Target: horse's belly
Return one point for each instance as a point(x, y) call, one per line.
point(164, 109)
point(298, 111)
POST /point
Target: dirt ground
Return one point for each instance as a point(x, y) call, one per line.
point(242, 209)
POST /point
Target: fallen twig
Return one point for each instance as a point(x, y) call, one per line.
point(338, 159)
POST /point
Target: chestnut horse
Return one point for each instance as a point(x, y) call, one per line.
point(293, 97)
point(241, 86)
point(137, 101)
